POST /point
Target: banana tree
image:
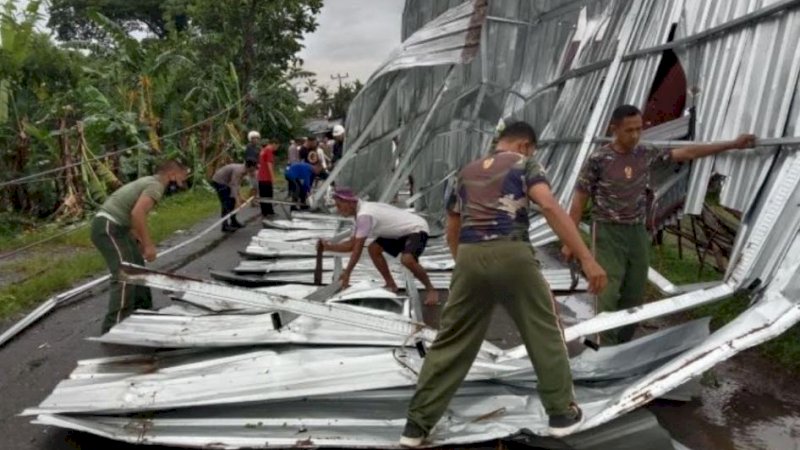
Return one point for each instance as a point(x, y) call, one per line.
point(15, 47)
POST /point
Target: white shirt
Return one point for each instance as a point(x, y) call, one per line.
point(376, 220)
point(322, 157)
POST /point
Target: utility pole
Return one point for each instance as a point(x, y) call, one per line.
point(340, 77)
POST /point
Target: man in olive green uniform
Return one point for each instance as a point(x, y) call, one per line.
point(119, 231)
point(487, 231)
point(616, 178)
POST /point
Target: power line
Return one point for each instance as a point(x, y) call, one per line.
point(340, 77)
point(116, 152)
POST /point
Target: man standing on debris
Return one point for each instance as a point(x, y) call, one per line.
point(487, 231)
point(265, 176)
point(396, 232)
point(226, 181)
point(119, 231)
point(616, 178)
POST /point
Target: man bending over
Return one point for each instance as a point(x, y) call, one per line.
point(396, 232)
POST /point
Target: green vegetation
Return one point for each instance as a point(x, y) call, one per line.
point(56, 266)
point(119, 85)
point(784, 349)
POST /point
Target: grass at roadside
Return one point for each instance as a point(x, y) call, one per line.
point(60, 263)
point(784, 349)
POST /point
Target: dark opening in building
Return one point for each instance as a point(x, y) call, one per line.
point(667, 98)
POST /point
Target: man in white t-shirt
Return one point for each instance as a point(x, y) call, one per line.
point(395, 231)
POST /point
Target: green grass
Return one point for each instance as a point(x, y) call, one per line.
point(784, 349)
point(59, 264)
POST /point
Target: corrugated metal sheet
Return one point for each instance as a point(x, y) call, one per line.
point(743, 82)
point(141, 383)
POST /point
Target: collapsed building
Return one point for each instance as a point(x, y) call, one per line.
point(338, 369)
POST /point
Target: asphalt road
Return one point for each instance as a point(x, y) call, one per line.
point(36, 360)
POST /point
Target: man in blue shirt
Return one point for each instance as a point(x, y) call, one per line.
point(300, 177)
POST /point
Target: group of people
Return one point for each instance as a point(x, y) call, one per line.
point(487, 233)
point(309, 161)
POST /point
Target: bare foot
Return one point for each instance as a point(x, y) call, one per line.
point(391, 288)
point(431, 297)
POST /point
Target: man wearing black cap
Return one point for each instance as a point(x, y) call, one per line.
point(395, 231)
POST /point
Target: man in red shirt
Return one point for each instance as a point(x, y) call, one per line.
point(266, 161)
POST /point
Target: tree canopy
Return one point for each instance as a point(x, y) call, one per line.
point(130, 82)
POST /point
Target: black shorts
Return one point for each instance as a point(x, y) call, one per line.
point(413, 244)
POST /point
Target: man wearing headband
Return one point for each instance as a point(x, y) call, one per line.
point(396, 232)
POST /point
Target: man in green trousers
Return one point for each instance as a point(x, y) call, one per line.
point(119, 231)
point(616, 177)
point(487, 231)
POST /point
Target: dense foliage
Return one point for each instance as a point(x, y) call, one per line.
point(120, 84)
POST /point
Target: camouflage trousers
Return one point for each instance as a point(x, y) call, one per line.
point(117, 245)
point(487, 273)
point(623, 251)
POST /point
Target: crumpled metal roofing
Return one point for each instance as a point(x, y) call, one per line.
point(562, 65)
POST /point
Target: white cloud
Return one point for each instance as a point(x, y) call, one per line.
point(354, 37)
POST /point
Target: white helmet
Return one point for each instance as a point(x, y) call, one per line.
point(253, 135)
point(338, 130)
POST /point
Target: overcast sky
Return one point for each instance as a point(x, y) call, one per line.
point(353, 36)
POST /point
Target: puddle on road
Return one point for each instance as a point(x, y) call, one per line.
point(782, 433)
point(752, 407)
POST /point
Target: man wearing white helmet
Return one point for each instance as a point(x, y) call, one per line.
point(251, 155)
point(338, 142)
point(253, 147)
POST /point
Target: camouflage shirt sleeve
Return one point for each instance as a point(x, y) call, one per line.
point(534, 173)
point(656, 155)
point(453, 200)
point(589, 176)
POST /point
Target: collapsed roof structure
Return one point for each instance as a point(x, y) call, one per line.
point(700, 69)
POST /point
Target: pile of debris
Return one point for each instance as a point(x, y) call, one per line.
point(293, 364)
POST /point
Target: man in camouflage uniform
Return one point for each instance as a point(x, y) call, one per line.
point(487, 231)
point(616, 178)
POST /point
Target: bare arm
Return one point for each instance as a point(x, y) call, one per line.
point(139, 225)
point(357, 246)
point(699, 151)
point(453, 231)
point(342, 247)
point(566, 230)
point(579, 201)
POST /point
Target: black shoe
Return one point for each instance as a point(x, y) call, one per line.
point(236, 225)
point(413, 436)
point(564, 424)
point(228, 229)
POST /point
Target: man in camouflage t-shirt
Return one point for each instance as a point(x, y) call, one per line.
point(487, 231)
point(616, 178)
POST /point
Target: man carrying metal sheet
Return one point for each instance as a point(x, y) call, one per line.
point(396, 232)
point(119, 231)
point(616, 177)
point(487, 231)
